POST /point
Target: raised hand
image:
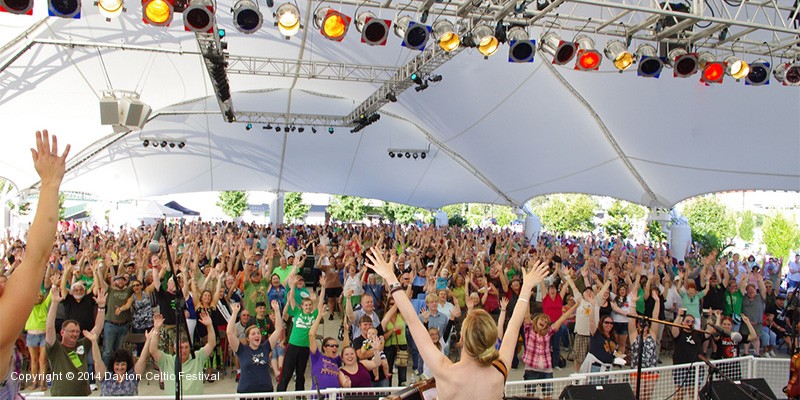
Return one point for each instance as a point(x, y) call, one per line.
point(49, 165)
point(235, 307)
point(158, 321)
point(379, 264)
point(535, 274)
point(503, 303)
point(205, 319)
point(275, 306)
point(90, 335)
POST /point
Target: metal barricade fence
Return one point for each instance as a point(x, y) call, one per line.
point(658, 383)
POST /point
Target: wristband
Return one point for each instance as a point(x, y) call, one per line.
point(395, 287)
point(101, 308)
point(523, 300)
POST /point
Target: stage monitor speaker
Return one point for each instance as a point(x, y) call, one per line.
point(724, 390)
point(616, 391)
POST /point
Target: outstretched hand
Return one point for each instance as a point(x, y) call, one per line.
point(535, 274)
point(379, 264)
point(49, 165)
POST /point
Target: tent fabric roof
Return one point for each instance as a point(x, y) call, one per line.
point(496, 132)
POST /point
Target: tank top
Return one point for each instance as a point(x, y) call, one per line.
point(362, 377)
point(142, 312)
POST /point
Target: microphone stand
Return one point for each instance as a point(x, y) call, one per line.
point(180, 318)
point(641, 321)
point(751, 392)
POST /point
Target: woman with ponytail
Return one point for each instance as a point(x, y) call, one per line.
point(482, 371)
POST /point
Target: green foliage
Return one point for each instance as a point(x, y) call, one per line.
point(62, 211)
point(747, 224)
point(710, 242)
point(347, 208)
point(456, 220)
point(232, 203)
point(621, 215)
point(781, 236)
point(293, 207)
point(567, 213)
point(655, 233)
point(400, 213)
point(504, 215)
point(709, 216)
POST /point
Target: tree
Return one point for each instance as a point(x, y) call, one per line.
point(400, 213)
point(347, 208)
point(293, 207)
point(567, 213)
point(62, 211)
point(709, 216)
point(781, 235)
point(621, 215)
point(655, 232)
point(232, 203)
point(455, 214)
point(747, 224)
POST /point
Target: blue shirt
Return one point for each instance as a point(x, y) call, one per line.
point(255, 368)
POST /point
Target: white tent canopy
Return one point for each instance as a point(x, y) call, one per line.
point(497, 132)
point(153, 210)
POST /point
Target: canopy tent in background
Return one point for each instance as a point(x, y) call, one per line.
point(185, 211)
point(153, 210)
point(491, 131)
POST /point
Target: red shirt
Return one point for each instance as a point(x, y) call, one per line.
point(552, 307)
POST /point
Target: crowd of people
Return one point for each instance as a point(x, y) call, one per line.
point(415, 302)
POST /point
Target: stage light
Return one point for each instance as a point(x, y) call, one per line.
point(521, 48)
point(415, 35)
point(269, 126)
point(286, 129)
point(589, 59)
point(408, 155)
point(399, 155)
point(248, 127)
point(17, 6)
point(435, 78)
point(313, 129)
point(423, 155)
point(684, 64)
point(64, 8)
point(181, 145)
point(199, 16)
point(288, 19)
point(294, 128)
point(421, 87)
point(164, 143)
point(247, 18)
point(736, 67)
point(650, 65)
point(788, 74)
point(374, 31)
point(561, 51)
point(146, 143)
point(331, 23)
point(617, 52)
point(110, 8)
point(713, 72)
point(221, 33)
point(759, 73)
point(391, 97)
point(484, 38)
point(330, 130)
point(391, 154)
point(171, 145)
point(445, 33)
point(301, 129)
point(277, 129)
point(416, 78)
point(416, 155)
point(157, 12)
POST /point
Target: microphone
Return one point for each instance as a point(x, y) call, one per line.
point(736, 337)
point(155, 244)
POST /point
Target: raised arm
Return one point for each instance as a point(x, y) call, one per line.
point(276, 335)
point(100, 318)
point(530, 278)
point(230, 330)
point(158, 321)
point(312, 332)
point(22, 289)
point(50, 323)
point(205, 319)
point(99, 365)
point(565, 316)
point(141, 363)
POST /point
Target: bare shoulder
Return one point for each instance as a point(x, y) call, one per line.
point(470, 381)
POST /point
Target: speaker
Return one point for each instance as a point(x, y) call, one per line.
point(724, 390)
point(616, 391)
point(109, 111)
point(125, 112)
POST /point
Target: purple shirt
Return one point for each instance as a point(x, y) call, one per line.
point(325, 370)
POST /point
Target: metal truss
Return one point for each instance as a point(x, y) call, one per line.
point(307, 69)
point(214, 58)
point(292, 119)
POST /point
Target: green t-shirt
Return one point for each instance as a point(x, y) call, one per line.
point(118, 298)
point(192, 373)
point(66, 361)
point(301, 323)
point(255, 293)
point(640, 301)
point(87, 281)
point(282, 273)
point(733, 303)
point(299, 295)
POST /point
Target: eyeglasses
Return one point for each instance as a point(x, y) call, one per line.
point(245, 315)
point(608, 323)
point(332, 345)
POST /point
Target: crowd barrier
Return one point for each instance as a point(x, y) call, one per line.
point(661, 379)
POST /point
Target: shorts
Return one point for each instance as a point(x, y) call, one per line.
point(581, 348)
point(621, 328)
point(684, 376)
point(35, 340)
point(334, 292)
point(278, 351)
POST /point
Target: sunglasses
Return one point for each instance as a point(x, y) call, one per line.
point(608, 323)
point(137, 285)
point(336, 346)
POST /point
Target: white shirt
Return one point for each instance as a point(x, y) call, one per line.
point(582, 315)
point(794, 271)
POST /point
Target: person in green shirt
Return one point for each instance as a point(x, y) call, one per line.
point(192, 376)
point(297, 352)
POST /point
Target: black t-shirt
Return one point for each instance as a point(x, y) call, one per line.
point(726, 348)
point(715, 298)
point(83, 311)
point(166, 306)
point(687, 347)
point(650, 303)
point(602, 347)
point(359, 343)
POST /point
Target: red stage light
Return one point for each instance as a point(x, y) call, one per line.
point(713, 72)
point(589, 60)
